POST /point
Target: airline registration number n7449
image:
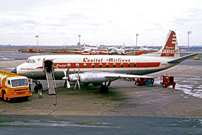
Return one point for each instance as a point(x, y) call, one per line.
point(169, 51)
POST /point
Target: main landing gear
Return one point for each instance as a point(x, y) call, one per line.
point(104, 88)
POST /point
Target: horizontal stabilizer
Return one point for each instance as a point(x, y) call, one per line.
point(178, 60)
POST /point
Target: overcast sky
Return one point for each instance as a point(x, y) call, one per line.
point(109, 22)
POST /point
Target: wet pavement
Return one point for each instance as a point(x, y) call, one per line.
point(101, 125)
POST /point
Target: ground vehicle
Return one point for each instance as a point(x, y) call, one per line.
point(196, 58)
point(145, 81)
point(168, 80)
point(13, 86)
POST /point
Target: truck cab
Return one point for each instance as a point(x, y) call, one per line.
point(13, 86)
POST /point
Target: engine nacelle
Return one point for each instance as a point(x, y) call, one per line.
point(73, 77)
point(92, 78)
point(88, 77)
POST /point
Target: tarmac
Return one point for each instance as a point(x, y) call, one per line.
point(123, 99)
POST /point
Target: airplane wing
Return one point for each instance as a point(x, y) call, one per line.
point(118, 76)
point(180, 59)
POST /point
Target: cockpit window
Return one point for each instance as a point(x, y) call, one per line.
point(30, 61)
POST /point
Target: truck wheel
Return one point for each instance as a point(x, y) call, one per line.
point(4, 96)
point(26, 98)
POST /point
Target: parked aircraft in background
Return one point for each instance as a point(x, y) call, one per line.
point(91, 51)
point(83, 50)
point(147, 49)
point(120, 51)
point(102, 68)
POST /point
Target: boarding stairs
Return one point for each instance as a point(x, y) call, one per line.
point(51, 82)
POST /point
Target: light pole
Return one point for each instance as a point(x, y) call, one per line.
point(189, 32)
point(37, 36)
point(79, 38)
point(136, 39)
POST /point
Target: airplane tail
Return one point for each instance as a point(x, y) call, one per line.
point(123, 47)
point(170, 49)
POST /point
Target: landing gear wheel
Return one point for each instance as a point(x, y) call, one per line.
point(104, 88)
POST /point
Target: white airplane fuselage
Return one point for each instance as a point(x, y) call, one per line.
point(137, 65)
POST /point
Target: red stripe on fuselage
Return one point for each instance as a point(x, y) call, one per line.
point(110, 65)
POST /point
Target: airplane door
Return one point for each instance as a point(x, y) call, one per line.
point(48, 66)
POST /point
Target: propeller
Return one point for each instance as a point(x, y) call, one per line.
point(66, 73)
point(77, 80)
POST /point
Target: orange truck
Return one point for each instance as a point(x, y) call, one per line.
point(13, 86)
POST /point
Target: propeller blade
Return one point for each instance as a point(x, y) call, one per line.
point(66, 73)
point(65, 77)
point(68, 85)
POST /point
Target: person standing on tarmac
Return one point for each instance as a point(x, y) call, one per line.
point(39, 88)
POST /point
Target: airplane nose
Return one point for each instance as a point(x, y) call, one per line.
point(14, 70)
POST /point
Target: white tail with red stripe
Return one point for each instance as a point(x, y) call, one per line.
point(170, 49)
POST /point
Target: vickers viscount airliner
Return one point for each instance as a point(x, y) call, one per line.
point(100, 69)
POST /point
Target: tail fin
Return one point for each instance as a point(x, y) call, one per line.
point(170, 49)
point(123, 47)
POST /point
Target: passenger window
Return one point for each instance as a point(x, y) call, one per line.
point(121, 64)
point(100, 65)
point(128, 64)
point(114, 64)
point(85, 65)
point(93, 65)
point(107, 65)
point(77, 65)
point(68, 65)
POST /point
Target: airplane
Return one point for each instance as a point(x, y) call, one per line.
point(120, 51)
point(91, 51)
point(146, 49)
point(103, 52)
point(87, 51)
point(102, 69)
